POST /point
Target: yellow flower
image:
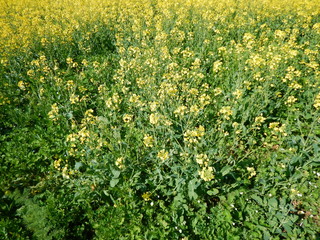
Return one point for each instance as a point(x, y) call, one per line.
point(222, 50)
point(163, 155)
point(22, 85)
point(69, 61)
point(295, 192)
point(217, 66)
point(291, 100)
point(204, 100)
point(259, 119)
point(194, 91)
point(237, 93)
point(153, 106)
point(116, 98)
point(295, 85)
point(134, 98)
point(217, 91)
point(83, 134)
point(194, 109)
point(53, 114)
point(154, 118)
point(42, 58)
point(280, 34)
point(127, 118)
point(226, 112)
point(196, 64)
point(181, 110)
point(85, 62)
point(74, 98)
point(30, 73)
point(206, 173)
point(72, 137)
point(57, 164)
point(252, 172)
point(317, 102)
point(193, 136)
point(146, 196)
point(148, 141)
point(65, 173)
point(276, 127)
point(119, 162)
point(235, 124)
point(167, 122)
point(202, 159)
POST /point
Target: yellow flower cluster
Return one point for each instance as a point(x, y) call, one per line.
point(146, 196)
point(154, 118)
point(163, 155)
point(206, 172)
point(127, 118)
point(291, 100)
point(181, 110)
point(148, 141)
point(54, 113)
point(226, 112)
point(66, 173)
point(251, 171)
point(316, 103)
point(22, 85)
point(217, 66)
point(84, 136)
point(160, 84)
point(258, 121)
point(276, 127)
point(193, 136)
point(120, 162)
point(202, 159)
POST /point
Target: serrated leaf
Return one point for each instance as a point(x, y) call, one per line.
point(273, 202)
point(273, 222)
point(266, 235)
point(287, 227)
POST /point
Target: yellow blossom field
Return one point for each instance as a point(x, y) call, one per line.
point(147, 119)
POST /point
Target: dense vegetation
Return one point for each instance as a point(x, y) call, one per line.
point(156, 119)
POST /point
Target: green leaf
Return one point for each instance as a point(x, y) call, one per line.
point(225, 170)
point(114, 182)
point(273, 202)
point(213, 191)
point(178, 199)
point(78, 165)
point(192, 186)
point(266, 235)
point(106, 192)
point(257, 199)
point(273, 222)
point(116, 173)
point(287, 227)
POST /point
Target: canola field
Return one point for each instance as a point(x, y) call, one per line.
point(149, 119)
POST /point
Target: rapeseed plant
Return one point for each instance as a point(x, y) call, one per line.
point(169, 101)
